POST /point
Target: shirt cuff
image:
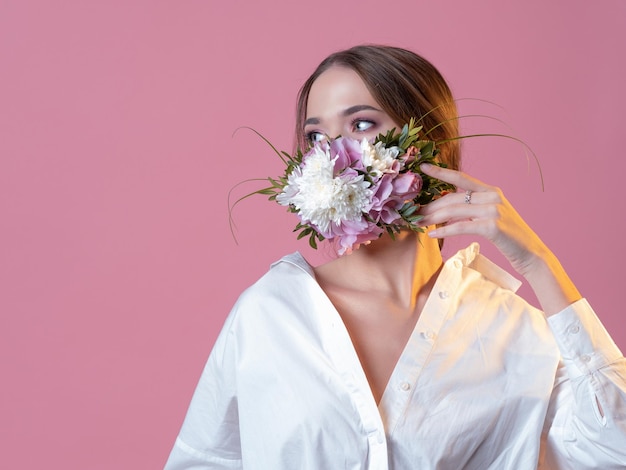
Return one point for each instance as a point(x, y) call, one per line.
point(583, 341)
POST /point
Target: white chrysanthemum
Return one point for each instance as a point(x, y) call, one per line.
point(378, 158)
point(321, 198)
point(290, 190)
point(318, 166)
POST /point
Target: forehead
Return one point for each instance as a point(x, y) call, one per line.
point(335, 89)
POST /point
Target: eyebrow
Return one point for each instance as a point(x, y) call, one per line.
point(346, 112)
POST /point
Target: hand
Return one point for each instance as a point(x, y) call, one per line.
point(488, 214)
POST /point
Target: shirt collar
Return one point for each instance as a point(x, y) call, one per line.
point(469, 257)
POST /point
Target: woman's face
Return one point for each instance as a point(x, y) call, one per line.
point(339, 103)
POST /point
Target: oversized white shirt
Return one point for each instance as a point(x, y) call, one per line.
point(484, 382)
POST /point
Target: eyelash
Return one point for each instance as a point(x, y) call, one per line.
point(356, 121)
point(309, 137)
point(353, 125)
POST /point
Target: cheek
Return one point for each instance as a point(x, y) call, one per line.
point(370, 134)
point(397, 125)
point(386, 126)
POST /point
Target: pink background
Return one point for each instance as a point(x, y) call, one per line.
point(117, 266)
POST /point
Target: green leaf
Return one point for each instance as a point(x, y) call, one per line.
point(303, 234)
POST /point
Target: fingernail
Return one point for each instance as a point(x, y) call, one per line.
point(425, 166)
point(432, 233)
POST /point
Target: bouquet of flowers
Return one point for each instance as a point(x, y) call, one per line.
point(353, 191)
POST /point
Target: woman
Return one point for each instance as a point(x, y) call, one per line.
point(390, 358)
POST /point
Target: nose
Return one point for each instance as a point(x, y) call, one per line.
point(335, 132)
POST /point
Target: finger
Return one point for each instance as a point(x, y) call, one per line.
point(463, 227)
point(455, 177)
point(476, 198)
point(444, 201)
point(455, 212)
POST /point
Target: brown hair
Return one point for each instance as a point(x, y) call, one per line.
point(404, 84)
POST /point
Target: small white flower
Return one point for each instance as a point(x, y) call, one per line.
point(379, 158)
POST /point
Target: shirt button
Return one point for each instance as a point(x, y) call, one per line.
point(457, 264)
point(585, 358)
point(443, 294)
point(574, 329)
point(380, 437)
point(405, 386)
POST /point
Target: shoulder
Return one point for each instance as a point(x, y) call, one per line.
point(491, 291)
point(287, 287)
point(288, 273)
point(470, 260)
point(489, 301)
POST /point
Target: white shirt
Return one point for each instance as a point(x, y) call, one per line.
point(484, 382)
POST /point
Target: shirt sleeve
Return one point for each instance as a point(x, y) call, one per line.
point(209, 437)
point(586, 422)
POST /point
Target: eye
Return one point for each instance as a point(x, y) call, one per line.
point(362, 125)
point(314, 137)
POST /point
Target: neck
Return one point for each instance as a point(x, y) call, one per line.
point(400, 268)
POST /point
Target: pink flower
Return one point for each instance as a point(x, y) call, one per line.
point(407, 185)
point(390, 194)
point(409, 155)
point(349, 235)
point(347, 154)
